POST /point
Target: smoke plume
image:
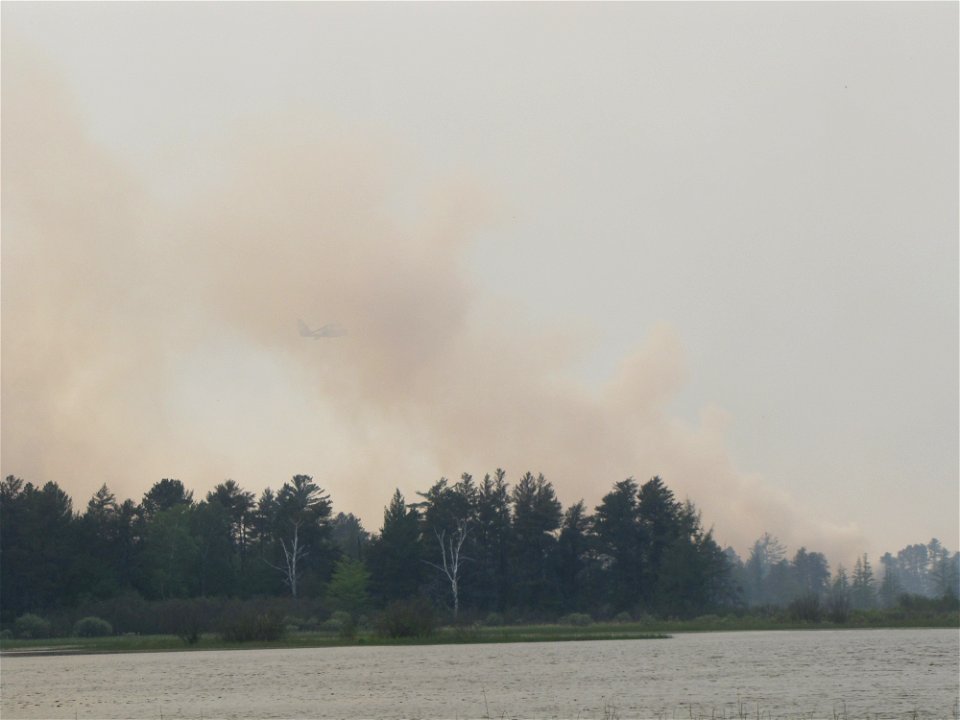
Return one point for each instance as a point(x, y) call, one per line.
point(145, 338)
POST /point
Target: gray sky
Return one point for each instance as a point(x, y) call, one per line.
point(715, 242)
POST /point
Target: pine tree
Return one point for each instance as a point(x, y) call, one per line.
point(863, 594)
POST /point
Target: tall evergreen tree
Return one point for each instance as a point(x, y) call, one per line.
point(890, 588)
point(239, 506)
point(536, 517)
point(578, 569)
point(493, 535)
point(863, 585)
point(395, 556)
point(621, 542)
point(766, 552)
point(164, 495)
point(302, 532)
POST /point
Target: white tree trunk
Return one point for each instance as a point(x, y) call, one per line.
point(450, 552)
point(291, 556)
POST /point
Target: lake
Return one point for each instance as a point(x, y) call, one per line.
point(825, 673)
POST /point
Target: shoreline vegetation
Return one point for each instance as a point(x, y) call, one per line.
point(469, 562)
point(450, 635)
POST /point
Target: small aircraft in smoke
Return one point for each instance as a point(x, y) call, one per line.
point(331, 330)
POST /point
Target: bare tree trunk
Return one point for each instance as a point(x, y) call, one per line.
point(450, 552)
point(291, 555)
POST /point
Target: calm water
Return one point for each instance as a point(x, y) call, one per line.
point(884, 673)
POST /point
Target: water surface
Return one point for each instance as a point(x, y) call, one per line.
point(822, 674)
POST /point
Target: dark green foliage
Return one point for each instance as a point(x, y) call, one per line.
point(413, 617)
point(347, 590)
point(248, 624)
point(187, 619)
point(169, 564)
point(348, 534)
point(838, 600)
point(620, 541)
point(343, 624)
point(171, 554)
point(492, 540)
point(238, 506)
point(578, 566)
point(395, 557)
point(92, 627)
point(299, 524)
point(576, 619)
point(165, 495)
point(536, 516)
point(40, 542)
point(31, 626)
point(920, 605)
point(806, 609)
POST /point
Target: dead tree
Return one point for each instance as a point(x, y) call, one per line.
point(292, 553)
point(453, 557)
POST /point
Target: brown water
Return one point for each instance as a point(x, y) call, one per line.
point(820, 674)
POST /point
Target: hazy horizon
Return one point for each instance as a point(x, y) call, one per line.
point(714, 242)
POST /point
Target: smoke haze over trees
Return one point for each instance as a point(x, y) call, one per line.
point(475, 547)
point(714, 295)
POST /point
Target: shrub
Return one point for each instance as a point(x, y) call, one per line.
point(342, 623)
point(187, 619)
point(246, 625)
point(806, 608)
point(5, 634)
point(293, 622)
point(92, 627)
point(31, 626)
point(348, 626)
point(838, 608)
point(407, 618)
point(623, 617)
point(493, 619)
point(576, 619)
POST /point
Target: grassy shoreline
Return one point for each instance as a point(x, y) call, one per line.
point(444, 636)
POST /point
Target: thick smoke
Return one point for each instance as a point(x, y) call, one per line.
point(143, 339)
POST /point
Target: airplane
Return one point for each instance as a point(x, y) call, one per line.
point(331, 330)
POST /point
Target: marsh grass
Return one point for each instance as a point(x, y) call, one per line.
point(210, 641)
point(461, 634)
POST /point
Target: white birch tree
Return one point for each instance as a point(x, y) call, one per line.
point(451, 553)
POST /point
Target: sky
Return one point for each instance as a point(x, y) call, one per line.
point(712, 242)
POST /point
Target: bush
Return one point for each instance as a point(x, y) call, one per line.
point(576, 619)
point(838, 608)
point(31, 626)
point(92, 627)
point(5, 634)
point(407, 618)
point(294, 623)
point(342, 623)
point(623, 617)
point(246, 624)
point(493, 619)
point(187, 619)
point(806, 609)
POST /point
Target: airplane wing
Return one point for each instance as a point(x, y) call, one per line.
point(331, 330)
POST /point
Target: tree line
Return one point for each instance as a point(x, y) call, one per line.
point(769, 578)
point(473, 547)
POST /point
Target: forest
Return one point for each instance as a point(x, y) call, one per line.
point(470, 549)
